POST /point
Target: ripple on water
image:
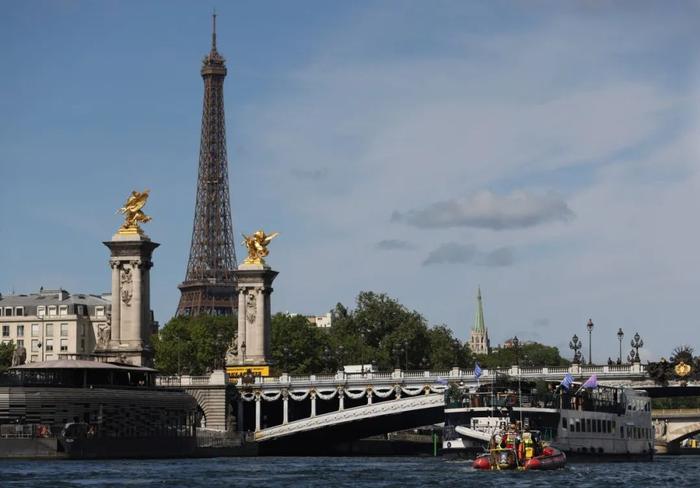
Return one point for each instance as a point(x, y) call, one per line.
point(358, 472)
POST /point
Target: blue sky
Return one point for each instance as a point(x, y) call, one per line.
point(547, 151)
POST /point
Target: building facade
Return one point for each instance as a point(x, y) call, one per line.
point(479, 337)
point(54, 324)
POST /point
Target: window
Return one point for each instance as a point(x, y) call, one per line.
point(40, 311)
point(8, 311)
point(594, 427)
point(563, 422)
point(20, 343)
point(64, 330)
point(49, 345)
point(82, 345)
point(64, 345)
point(35, 330)
point(20, 330)
point(578, 425)
point(583, 425)
point(80, 310)
point(6, 331)
point(52, 309)
point(63, 310)
point(48, 332)
point(600, 425)
point(35, 345)
point(99, 311)
point(19, 311)
point(82, 330)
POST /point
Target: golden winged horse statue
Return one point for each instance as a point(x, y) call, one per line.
point(257, 246)
point(133, 213)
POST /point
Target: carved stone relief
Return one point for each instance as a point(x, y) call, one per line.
point(250, 307)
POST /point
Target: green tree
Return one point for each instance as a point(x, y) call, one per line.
point(529, 355)
point(297, 345)
point(193, 345)
point(6, 352)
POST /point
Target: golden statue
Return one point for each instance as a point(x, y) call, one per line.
point(257, 246)
point(133, 213)
point(682, 369)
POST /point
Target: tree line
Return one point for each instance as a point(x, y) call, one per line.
point(378, 331)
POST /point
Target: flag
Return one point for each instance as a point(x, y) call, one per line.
point(567, 381)
point(477, 370)
point(591, 382)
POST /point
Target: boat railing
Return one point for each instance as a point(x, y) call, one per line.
point(25, 431)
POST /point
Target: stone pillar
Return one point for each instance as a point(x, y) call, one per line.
point(254, 287)
point(369, 396)
point(285, 407)
point(239, 418)
point(313, 403)
point(241, 328)
point(341, 400)
point(115, 321)
point(257, 413)
point(131, 323)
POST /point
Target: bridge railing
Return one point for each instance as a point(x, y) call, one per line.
point(455, 374)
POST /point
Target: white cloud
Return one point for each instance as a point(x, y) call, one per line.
point(485, 209)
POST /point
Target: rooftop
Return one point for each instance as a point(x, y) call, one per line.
point(79, 364)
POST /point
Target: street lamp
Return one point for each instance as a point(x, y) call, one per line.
point(285, 352)
point(327, 358)
point(620, 335)
point(589, 326)
point(575, 344)
point(636, 343)
point(405, 349)
point(516, 345)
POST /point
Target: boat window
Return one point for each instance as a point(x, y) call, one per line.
point(600, 425)
point(563, 422)
point(593, 426)
point(578, 425)
point(588, 425)
point(622, 432)
point(608, 428)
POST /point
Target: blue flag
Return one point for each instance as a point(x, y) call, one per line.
point(477, 370)
point(567, 381)
point(591, 382)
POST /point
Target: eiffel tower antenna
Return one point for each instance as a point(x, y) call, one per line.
point(209, 287)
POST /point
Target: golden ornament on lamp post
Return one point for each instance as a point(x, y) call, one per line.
point(257, 246)
point(133, 213)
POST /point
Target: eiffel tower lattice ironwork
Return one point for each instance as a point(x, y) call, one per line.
point(209, 286)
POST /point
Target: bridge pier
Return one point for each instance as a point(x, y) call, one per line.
point(313, 403)
point(285, 408)
point(257, 412)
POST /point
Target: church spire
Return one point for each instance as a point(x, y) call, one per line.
point(479, 316)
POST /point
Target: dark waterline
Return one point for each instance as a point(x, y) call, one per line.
point(353, 472)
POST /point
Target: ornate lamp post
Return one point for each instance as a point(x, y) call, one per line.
point(636, 343)
point(631, 357)
point(341, 357)
point(424, 363)
point(396, 349)
point(620, 335)
point(516, 345)
point(405, 350)
point(575, 344)
point(285, 352)
point(327, 358)
point(589, 326)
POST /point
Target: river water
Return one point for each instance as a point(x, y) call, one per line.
point(355, 472)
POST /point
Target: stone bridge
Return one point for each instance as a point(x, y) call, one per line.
point(673, 425)
point(276, 407)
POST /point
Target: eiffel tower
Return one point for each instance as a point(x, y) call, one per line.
point(209, 286)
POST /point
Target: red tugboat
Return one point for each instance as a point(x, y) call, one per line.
point(516, 450)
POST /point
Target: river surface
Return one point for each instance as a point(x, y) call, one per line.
point(356, 472)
